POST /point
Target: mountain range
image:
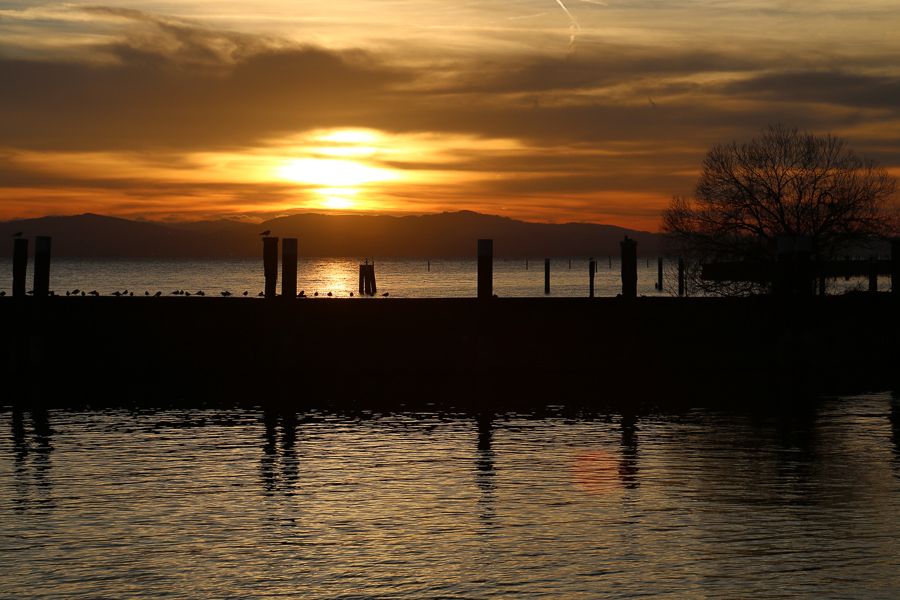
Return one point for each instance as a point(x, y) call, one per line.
point(448, 234)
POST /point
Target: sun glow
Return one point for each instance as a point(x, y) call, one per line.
point(332, 172)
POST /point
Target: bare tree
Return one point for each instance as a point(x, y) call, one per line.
point(781, 183)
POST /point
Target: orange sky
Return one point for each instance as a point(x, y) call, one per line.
point(599, 112)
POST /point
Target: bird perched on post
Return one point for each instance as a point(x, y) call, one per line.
point(265, 233)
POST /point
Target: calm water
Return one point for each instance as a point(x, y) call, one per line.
point(802, 502)
point(409, 278)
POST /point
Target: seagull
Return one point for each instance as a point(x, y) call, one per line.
point(75, 292)
point(186, 293)
point(260, 295)
point(82, 294)
point(265, 233)
point(329, 294)
point(146, 292)
point(245, 292)
point(316, 294)
point(385, 295)
point(67, 292)
point(157, 294)
point(225, 293)
point(2, 293)
point(130, 294)
point(94, 293)
point(117, 293)
point(351, 294)
point(201, 293)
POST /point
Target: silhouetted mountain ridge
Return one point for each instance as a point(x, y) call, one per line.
point(448, 234)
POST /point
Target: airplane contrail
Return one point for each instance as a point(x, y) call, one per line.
point(574, 27)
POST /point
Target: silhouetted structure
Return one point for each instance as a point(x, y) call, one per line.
point(20, 266)
point(270, 265)
point(629, 268)
point(592, 269)
point(546, 276)
point(42, 266)
point(659, 273)
point(367, 283)
point(485, 269)
point(289, 268)
point(681, 287)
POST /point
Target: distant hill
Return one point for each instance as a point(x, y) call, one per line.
point(450, 234)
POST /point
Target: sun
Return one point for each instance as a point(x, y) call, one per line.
point(332, 172)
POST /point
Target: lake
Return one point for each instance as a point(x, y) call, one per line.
point(790, 501)
point(402, 278)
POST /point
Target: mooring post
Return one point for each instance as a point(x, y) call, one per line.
point(371, 279)
point(659, 273)
point(629, 267)
point(486, 269)
point(42, 266)
point(895, 267)
point(20, 266)
point(362, 278)
point(546, 276)
point(681, 289)
point(592, 269)
point(289, 268)
point(429, 266)
point(270, 265)
point(873, 274)
point(526, 263)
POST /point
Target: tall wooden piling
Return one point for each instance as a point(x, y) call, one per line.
point(681, 276)
point(873, 274)
point(629, 267)
point(659, 273)
point(895, 267)
point(592, 269)
point(362, 278)
point(547, 276)
point(42, 245)
point(371, 286)
point(270, 265)
point(20, 266)
point(486, 269)
point(289, 268)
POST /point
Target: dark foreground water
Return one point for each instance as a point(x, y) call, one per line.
point(213, 503)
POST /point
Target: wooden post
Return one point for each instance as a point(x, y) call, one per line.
point(270, 264)
point(42, 265)
point(289, 268)
point(895, 267)
point(486, 269)
point(610, 261)
point(873, 275)
point(371, 279)
point(659, 273)
point(681, 289)
point(592, 269)
point(629, 267)
point(20, 266)
point(429, 266)
point(526, 263)
point(546, 276)
point(362, 279)
point(570, 264)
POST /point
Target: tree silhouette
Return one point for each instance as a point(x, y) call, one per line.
point(781, 183)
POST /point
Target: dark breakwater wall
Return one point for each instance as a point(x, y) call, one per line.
point(392, 352)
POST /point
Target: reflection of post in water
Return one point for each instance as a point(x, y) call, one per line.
point(270, 458)
point(484, 464)
point(38, 449)
point(628, 466)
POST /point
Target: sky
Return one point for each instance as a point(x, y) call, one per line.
point(543, 110)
